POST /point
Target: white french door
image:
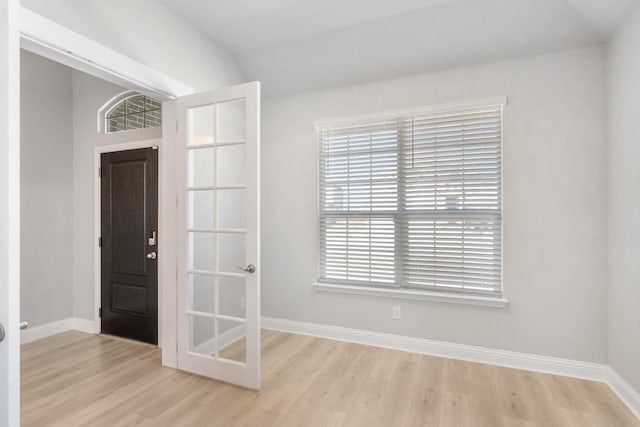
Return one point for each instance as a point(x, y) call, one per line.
point(218, 234)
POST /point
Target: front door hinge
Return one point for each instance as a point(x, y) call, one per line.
point(100, 312)
point(99, 242)
point(99, 172)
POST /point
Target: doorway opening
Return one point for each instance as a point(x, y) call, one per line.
point(61, 189)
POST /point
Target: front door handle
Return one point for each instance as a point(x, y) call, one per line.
point(153, 239)
point(24, 325)
point(152, 255)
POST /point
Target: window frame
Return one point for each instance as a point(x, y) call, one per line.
point(397, 290)
point(120, 99)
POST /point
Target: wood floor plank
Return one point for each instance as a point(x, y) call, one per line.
point(427, 398)
point(77, 379)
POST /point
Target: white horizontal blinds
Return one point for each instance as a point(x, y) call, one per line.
point(451, 225)
point(358, 203)
point(358, 249)
point(413, 202)
point(452, 162)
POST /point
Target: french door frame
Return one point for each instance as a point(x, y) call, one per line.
point(246, 374)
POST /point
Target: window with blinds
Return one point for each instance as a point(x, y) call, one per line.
point(413, 201)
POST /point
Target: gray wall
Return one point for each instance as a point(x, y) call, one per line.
point(554, 215)
point(46, 191)
point(89, 95)
point(624, 201)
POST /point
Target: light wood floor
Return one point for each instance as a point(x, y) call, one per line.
point(79, 379)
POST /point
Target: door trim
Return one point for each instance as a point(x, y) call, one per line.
point(10, 213)
point(47, 38)
point(151, 143)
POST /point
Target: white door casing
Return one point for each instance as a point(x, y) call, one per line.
point(218, 301)
point(10, 213)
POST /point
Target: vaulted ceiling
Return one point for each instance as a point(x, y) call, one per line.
point(301, 45)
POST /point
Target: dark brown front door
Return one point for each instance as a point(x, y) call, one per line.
point(129, 200)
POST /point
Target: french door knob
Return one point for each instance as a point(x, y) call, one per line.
point(249, 268)
point(152, 255)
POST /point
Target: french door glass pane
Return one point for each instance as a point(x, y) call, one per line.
point(232, 252)
point(201, 170)
point(232, 208)
point(201, 251)
point(202, 335)
point(202, 293)
point(201, 128)
point(232, 344)
point(231, 165)
point(201, 209)
point(231, 121)
point(232, 296)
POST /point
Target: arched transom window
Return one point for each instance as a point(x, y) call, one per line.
point(135, 111)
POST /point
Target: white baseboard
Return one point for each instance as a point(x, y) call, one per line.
point(34, 333)
point(43, 331)
point(625, 392)
point(84, 325)
point(510, 359)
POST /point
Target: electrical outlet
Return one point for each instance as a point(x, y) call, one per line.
point(396, 314)
point(243, 302)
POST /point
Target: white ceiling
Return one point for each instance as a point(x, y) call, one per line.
point(300, 45)
point(243, 25)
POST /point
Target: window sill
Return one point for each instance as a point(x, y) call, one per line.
point(416, 295)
